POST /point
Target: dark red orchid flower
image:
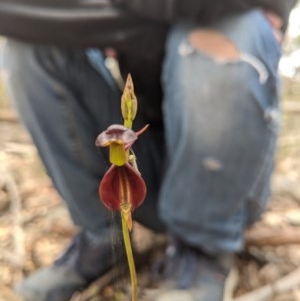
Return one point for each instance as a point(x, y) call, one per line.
point(122, 187)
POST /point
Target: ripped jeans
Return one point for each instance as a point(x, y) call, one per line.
point(220, 127)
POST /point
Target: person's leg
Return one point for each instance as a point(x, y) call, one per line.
point(65, 103)
point(221, 117)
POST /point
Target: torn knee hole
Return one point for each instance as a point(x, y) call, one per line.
point(214, 44)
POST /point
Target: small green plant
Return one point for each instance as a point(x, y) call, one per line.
point(122, 187)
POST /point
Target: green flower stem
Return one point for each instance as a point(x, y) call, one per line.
point(130, 259)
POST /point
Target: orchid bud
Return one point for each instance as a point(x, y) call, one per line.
point(128, 103)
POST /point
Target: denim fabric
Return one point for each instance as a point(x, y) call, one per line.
point(221, 123)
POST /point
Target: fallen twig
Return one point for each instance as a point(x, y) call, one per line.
point(272, 237)
point(96, 287)
point(291, 107)
point(19, 148)
point(282, 285)
point(8, 183)
point(8, 115)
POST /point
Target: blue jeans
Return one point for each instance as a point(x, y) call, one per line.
point(207, 170)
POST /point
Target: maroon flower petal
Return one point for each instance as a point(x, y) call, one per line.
point(122, 184)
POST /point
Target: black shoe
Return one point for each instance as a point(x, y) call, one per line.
point(187, 274)
point(88, 257)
